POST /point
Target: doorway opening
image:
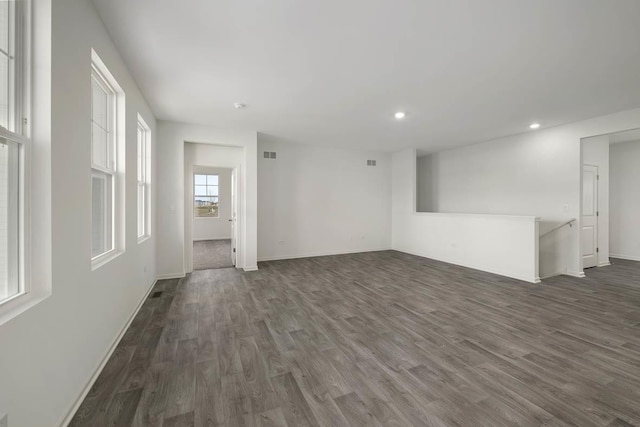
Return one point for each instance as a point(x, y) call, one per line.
point(213, 218)
point(610, 201)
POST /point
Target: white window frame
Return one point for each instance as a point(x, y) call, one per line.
point(18, 134)
point(193, 183)
point(144, 179)
point(115, 159)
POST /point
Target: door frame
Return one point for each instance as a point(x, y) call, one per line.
point(189, 214)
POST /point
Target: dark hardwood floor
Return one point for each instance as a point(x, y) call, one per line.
point(380, 339)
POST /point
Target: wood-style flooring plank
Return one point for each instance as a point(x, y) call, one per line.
point(382, 339)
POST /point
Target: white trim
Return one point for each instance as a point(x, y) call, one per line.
point(579, 274)
point(105, 258)
point(206, 238)
point(477, 215)
point(522, 278)
point(171, 276)
point(627, 257)
point(254, 268)
point(85, 391)
point(318, 254)
point(604, 264)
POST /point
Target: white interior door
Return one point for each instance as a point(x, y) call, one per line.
point(234, 203)
point(589, 216)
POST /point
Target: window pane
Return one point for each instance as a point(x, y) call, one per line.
point(99, 105)
point(101, 213)
point(4, 26)
point(141, 210)
point(212, 179)
point(4, 90)
point(99, 146)
point(200, 190)
point(9, 211)
point(200, 179)
point(140, 156)
point(212, 191)
point(206, 207)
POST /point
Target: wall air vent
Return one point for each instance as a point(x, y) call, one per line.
point(269, 155)
point(371, 162)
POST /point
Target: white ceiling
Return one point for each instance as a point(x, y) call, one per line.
point(334, 71)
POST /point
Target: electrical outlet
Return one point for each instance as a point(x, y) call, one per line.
point(4, 421)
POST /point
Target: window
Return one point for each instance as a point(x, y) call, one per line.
point(106, 222)
point(205, 196)
point(14, 146)
point(144, 180)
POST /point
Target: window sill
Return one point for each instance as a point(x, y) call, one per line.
point(20, 303)
point(143, 239)
point(105, 258)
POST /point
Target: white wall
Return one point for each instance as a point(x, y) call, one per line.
point(595, 152)
point(501, 244)
point(317, 201)
point(535, 174)
point(427, 184)
point(50, 352)
point(625, 200)
point(172, 254)
point(220, 227)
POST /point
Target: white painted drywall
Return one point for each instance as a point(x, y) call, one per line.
point(220, 227)
point(50, 352)
point(172, 228)
point(595, 152)
point(318, 201)
point(625, 200)
point(501, 244)
point(536, 173)
point(427, 184)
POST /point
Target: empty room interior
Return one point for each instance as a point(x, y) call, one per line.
point(329, 213)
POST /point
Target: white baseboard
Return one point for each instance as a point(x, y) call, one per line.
point(254, 268)
point(171, 276)
point(604, 264)
point(76, 405)
point(575, 273)
point(499, 273)
point(627, 257)
point(316, 254)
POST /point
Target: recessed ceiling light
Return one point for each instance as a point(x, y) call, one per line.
point(400, 115)
point(239, 106)
point(534, 125)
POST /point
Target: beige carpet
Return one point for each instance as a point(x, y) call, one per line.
point(209, 254)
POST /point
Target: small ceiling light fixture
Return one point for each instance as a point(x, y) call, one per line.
point(239, 106)
point(534, 125)
point(400, 115)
